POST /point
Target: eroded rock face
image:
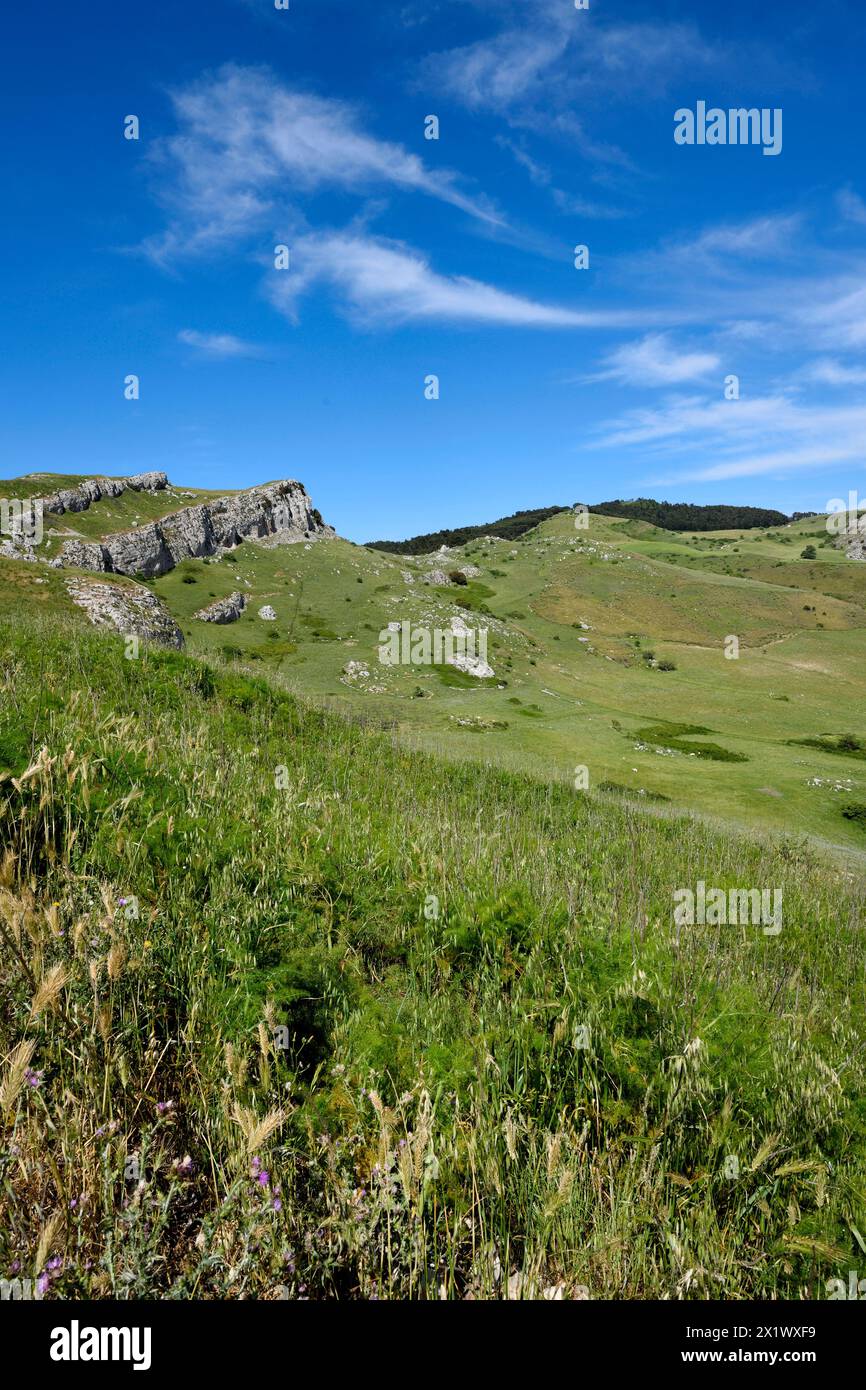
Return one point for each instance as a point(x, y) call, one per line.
point(14, 549)
point(224, 610)
point(280, 513)
point(469, 661)
point(129, 609)
point(78, 499)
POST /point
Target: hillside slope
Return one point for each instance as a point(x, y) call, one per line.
point(289, 1009)
point(610, 648)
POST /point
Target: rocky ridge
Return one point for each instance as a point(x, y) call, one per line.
point(79, 498)
point(280, 512)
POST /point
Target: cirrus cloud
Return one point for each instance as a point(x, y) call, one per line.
point(379, 279)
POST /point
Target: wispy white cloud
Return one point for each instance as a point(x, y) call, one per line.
point(223, 345)
point(760, 238)
point(548, 53)
point(851, 206)
point(248, 146)
point(837, 321)
point(542, 177)
point(746, 438)
point(832, 373)
point(381, 280)
point(655, 361)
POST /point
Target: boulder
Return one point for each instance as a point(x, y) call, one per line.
point(224, 610)
point(129, 609)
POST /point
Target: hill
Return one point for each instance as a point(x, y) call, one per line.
point(684, 516)
point(608, 646)
point(507, 528)
point(291, 1009)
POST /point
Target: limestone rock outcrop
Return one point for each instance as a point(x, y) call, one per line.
point(78, 499)
point(127, 608)
point(279, 513)
point(224, 610)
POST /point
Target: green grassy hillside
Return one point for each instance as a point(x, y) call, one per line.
point(578, 623)
point(290, 1008)
point(608, 645)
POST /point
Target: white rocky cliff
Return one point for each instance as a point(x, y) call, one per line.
point(277, 514)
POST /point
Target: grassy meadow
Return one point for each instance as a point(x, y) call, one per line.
point(580, 625)
point(290, 1009)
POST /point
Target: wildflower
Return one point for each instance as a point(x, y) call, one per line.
point(264, 1177)
point(277, 1204)
point(163, 1106)
point(33, 1078)
point(147, 945)
point(42, 1284)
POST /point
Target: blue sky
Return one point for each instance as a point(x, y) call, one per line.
point(455, 257)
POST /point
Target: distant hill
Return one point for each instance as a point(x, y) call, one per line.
point(684, 516)
point(507, 528)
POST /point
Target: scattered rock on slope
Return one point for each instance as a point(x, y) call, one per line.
point(224, 610)
point(131, 610)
